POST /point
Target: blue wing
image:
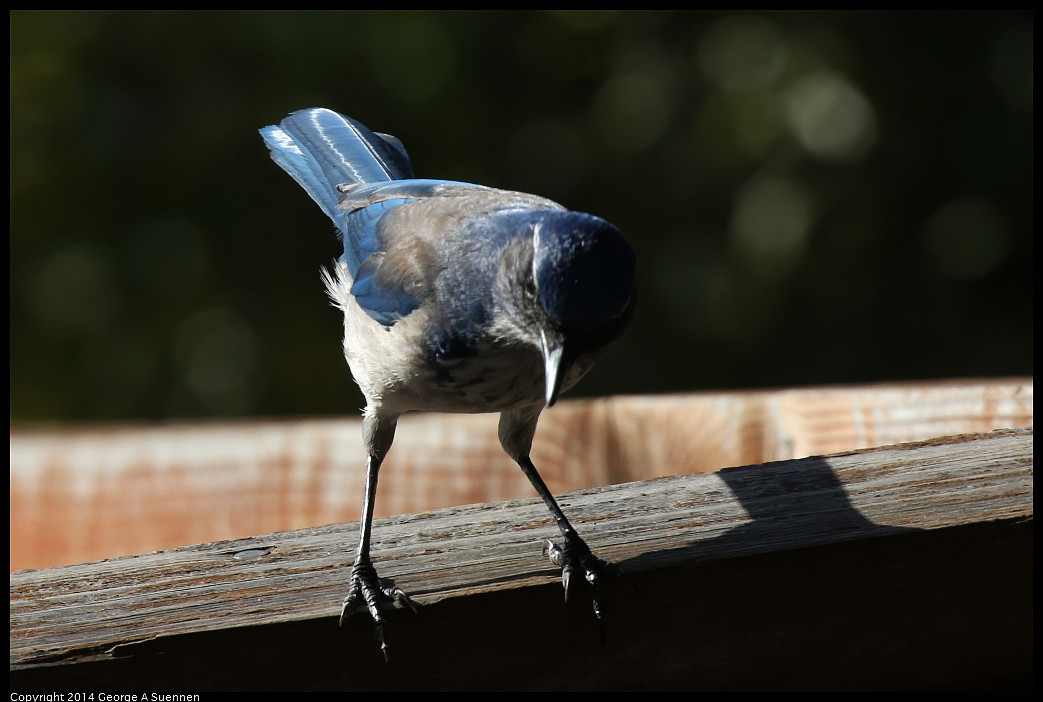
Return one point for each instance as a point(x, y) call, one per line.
point(358, 177)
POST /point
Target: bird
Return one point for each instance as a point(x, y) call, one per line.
point(456, 297)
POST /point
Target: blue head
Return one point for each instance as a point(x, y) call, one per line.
point(577, 283)
point(584, 272)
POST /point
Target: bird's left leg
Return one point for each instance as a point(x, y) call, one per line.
point(516, 431)
point(365, 585)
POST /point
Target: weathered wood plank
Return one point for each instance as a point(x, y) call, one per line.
point(911, 522)
point(87, 493)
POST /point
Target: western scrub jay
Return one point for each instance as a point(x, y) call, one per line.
point(456, 298)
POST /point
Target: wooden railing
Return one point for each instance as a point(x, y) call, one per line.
point(905, 566)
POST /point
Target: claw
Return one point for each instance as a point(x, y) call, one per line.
point(376, 592)
point(553, 551)
point(576, 554)
point(345, 608)
point(558, 558)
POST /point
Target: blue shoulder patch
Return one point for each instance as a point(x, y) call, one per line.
point(358, 232)
point(386, 304)
point(385, 300)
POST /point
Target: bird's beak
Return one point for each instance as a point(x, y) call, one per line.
point(554, 366)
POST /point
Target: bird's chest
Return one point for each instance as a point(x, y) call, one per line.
point(491, 378)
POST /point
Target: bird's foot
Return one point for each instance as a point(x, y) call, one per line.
point(373, 592)
point(576, 556)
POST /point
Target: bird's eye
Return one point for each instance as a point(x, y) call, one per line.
point(530, 287)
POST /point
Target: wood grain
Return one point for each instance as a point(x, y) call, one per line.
point(939, 532)
point(85, 493)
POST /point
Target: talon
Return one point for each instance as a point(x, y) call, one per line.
point(576, 555)
point(397, 595)
point(553, 551)
point(373, 593)
point(345, 608)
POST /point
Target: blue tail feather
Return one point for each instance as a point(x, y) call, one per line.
point(322, 149)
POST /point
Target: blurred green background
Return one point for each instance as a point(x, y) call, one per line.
point(814, 197)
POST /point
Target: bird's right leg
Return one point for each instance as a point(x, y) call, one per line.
point(367, 588)
point(516, 430)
